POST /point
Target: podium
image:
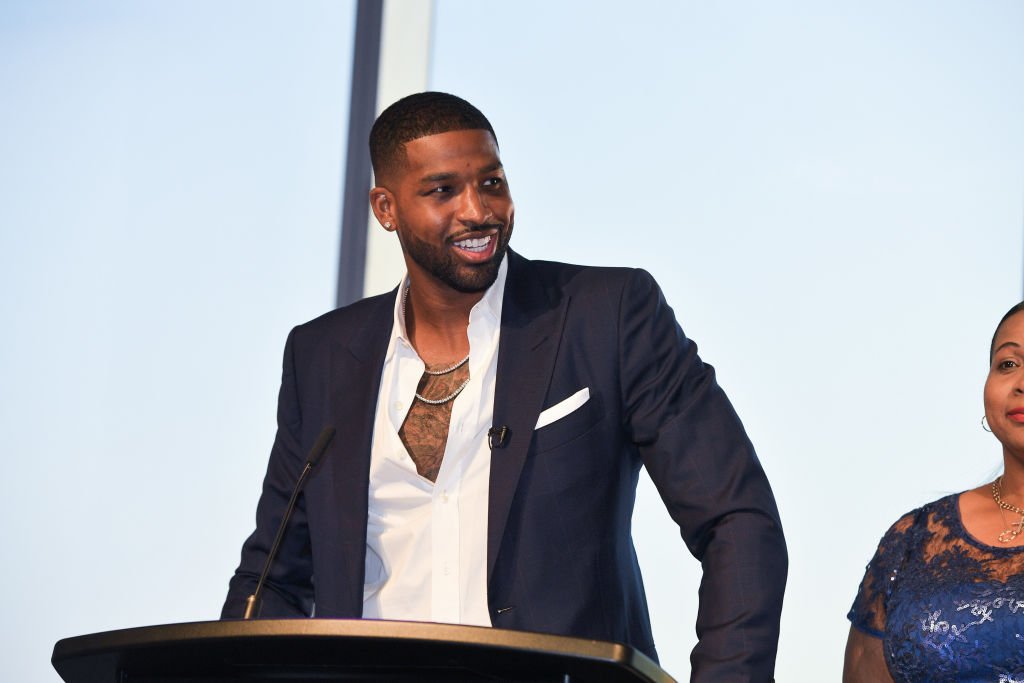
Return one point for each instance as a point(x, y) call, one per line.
point(322, 650)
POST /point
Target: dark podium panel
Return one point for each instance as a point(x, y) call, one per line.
point(319, 650)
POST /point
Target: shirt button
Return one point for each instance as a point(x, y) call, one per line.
point(444, 497)
point(399, 406)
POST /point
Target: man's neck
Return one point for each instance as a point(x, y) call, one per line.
point(436, 320)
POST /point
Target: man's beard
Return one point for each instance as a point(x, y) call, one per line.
point(462, 277)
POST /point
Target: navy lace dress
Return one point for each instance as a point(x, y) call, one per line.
point(948, 607)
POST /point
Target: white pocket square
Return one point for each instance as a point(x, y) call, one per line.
point(563, 408)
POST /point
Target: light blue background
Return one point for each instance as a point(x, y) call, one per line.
point(831, 195)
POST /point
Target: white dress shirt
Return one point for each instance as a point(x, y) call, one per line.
point(426, 542)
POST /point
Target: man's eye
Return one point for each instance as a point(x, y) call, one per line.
point(440, 189)
point(494, 182)
point(1007, 364)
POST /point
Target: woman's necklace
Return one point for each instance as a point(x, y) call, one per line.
point(1014, 529)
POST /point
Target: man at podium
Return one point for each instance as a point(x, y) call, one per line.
point(492, 416)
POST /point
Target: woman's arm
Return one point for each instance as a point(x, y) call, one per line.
point(865, 660)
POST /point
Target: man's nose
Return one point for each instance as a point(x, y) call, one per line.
point(473, 209)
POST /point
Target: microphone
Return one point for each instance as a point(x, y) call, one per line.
point(497, 437)
point(252, 602)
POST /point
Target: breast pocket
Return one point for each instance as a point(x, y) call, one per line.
point(559, 427)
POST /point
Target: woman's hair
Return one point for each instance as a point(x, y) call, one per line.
point(1012, 312)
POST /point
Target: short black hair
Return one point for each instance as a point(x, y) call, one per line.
point(1009, 314)
point(416, 116)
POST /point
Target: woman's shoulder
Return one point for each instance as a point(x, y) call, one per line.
point(937, 512)
point(905, 539)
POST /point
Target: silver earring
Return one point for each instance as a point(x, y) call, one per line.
point(388, 225)
point(984, 424)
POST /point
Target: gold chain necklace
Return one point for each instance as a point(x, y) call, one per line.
point(1017, 527)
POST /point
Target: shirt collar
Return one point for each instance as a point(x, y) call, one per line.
point(489, 305)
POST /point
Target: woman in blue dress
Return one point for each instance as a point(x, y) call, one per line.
point(943, 597)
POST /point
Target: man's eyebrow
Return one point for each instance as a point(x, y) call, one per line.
point(437, 177)
point(442, 177)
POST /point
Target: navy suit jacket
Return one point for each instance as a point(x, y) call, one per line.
point(560, 556)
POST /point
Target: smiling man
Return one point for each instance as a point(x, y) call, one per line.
point(493, 416)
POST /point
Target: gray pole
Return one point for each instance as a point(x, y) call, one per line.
point(362, 110)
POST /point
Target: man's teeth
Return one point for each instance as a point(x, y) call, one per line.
point(474, 243)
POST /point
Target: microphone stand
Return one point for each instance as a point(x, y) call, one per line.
point(252, 602)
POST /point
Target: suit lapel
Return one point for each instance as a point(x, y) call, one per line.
point(531, 327)
point(355, 371)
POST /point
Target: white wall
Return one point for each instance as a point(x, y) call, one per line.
point(170, 177)
point(830, 194)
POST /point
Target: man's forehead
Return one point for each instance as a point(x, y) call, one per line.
point(450, 146)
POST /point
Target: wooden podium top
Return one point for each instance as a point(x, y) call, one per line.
point(308, 650)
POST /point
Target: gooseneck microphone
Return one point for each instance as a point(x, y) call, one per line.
point(252, 602)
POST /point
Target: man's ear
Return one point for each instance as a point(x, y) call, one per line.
point(382, 204)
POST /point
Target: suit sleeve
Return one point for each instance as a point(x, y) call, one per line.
point(705, 469)
point(288, 590)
